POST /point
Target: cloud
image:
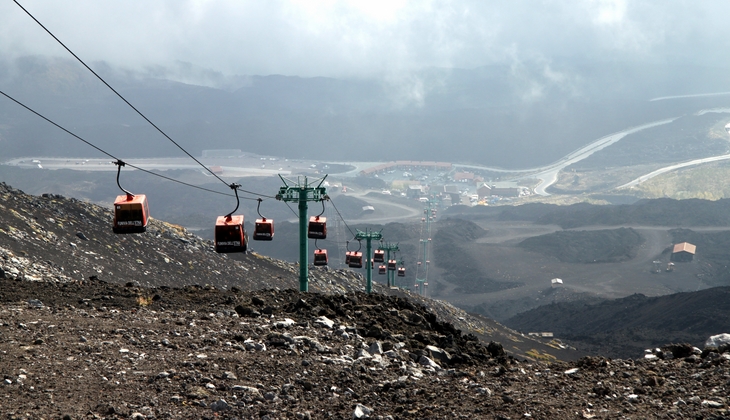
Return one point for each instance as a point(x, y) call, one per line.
point(362, 38)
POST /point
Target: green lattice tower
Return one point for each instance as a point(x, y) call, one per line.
point(424, 245)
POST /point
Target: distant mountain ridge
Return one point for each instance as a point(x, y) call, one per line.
point(621, 327)
point(490, 115)
point(646, 212)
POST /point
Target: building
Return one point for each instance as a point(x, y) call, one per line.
point(464, 177)
point(506, 189)
point(500, 189)
point(414, 191)
point(683, 252)
point(452, 191)
point(484, 191)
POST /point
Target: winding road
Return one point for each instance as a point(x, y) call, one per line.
point(548, 174)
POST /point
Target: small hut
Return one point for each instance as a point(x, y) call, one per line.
point(683, 252)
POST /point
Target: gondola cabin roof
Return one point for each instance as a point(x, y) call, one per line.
point(130, 199)
point(236, 219)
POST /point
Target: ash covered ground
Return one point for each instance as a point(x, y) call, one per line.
point(94, 325)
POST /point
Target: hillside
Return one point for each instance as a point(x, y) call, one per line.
point(52, 238)
point(618, 327)
point(157, 325)
point(587, 246)
point(656, 212)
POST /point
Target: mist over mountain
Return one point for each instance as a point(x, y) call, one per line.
point(507, 116)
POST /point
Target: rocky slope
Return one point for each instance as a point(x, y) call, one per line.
point(52, 238)
point(616, 327)
point(104, 350)
point(94, 325)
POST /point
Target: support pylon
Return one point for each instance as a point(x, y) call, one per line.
point(388, 248)
point(420, 281)
point(302, 192)
point(368, 237)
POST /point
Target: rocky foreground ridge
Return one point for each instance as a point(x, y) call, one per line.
point(104, 350)
point(94, 325)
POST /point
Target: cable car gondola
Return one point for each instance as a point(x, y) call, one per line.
point(317, 227)
point(355, 259)
point(230, 236)
point(131, 212)
point(392, 265)
point(320, 257)
point(381, 269)
point(379, 255)
point(401, 271)
point(263, 228)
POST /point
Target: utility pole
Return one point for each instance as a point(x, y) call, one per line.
point(302, 192)
point(388, 248)
point(425, 243)
point(368, 237)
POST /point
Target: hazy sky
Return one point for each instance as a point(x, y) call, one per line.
point(368, 37)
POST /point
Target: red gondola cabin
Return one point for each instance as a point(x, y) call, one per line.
point(317, 227)
point(355, 259)
point(392, 265)
point(401, 271)
point(230, 235)
point(131, 213)
point(379, 255)
point(263, 230)
point(381, 269)
point(320, 257)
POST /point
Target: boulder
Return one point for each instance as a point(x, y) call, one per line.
point(439, 354)
point(718, 340)
point(361, 412)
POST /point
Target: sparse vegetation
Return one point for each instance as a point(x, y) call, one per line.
point(707, 182)
point(144, 300)
point(535, 354)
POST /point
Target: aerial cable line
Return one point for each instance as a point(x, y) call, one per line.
point(342, 218)
point(109, 154)
point(130, 105)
